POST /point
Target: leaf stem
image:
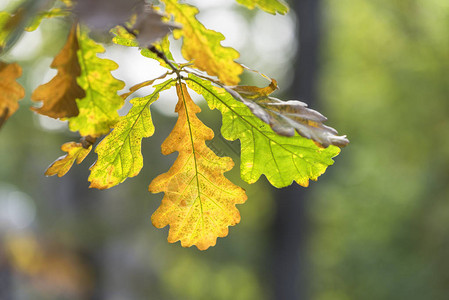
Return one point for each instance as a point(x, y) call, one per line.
point(159, 54)
point(165, 59)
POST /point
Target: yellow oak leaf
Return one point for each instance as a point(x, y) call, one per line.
point(199, 201)
point(59, 94)
point(10, 90)
point(270, 6)
point(202, 45)
point(75, 151)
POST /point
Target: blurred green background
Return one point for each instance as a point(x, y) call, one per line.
point(377, 221)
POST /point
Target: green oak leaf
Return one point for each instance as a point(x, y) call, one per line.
point(281, 159)
point(98, 110)
point(119, 153)
point(270, 6)
point(52, 13)
point(286, 117)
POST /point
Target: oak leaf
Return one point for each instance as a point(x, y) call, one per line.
point(143, 84)
point(98, 109)
point(270, 6)
point(10, 91)
point(286, 117)
point(125, 38)
point(281, 159)
point(75, 152)
point(60, 94)
point(12, 25)
point(119, 153)
point(52, 13)
point(150, 27)
point(202, 45)
point(7, 24)
point(104, 14)
point(199, 202)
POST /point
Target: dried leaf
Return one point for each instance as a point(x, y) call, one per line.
point(75, 151)
point(281, 159)
point(119, 153)
point(286, 117)
point(150, 27)
point(105, 14)
point(60, 94)
point(10, 91)
point(138, 86)
point(98, 109)
point(202, 46)
point(199, 202)
point(270, 6)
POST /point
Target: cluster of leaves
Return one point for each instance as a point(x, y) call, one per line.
point(284, 140)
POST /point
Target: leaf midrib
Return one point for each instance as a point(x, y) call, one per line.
point(193, 150)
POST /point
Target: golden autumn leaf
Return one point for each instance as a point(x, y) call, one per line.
point(10, 90)
point(199, 201)
point(270, 6)
point(60, 94)
point(203, 46)
point(75, 151)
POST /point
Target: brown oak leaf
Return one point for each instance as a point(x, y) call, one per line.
point(59, 94)
point(10, 90)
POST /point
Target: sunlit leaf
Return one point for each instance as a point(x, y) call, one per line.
point(199, 202)
point(286, 117)
point(270, 6)
point(202, 45)
point(125, 38)
point(281, 159)
point(98, 109)
point(13, 25)
point(75, 152)
point(60, 94)
point(10, 91)
point(119, 153)
point(67, 3)
point(52, 13)
point(5, 28)
point(143, 84)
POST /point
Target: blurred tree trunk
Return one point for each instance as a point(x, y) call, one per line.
point(6, 273)
point(290, 226)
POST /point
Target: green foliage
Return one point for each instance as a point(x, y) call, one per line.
point(282, 159)
point(285, 141)
point(119, 154)
point(381, 221)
